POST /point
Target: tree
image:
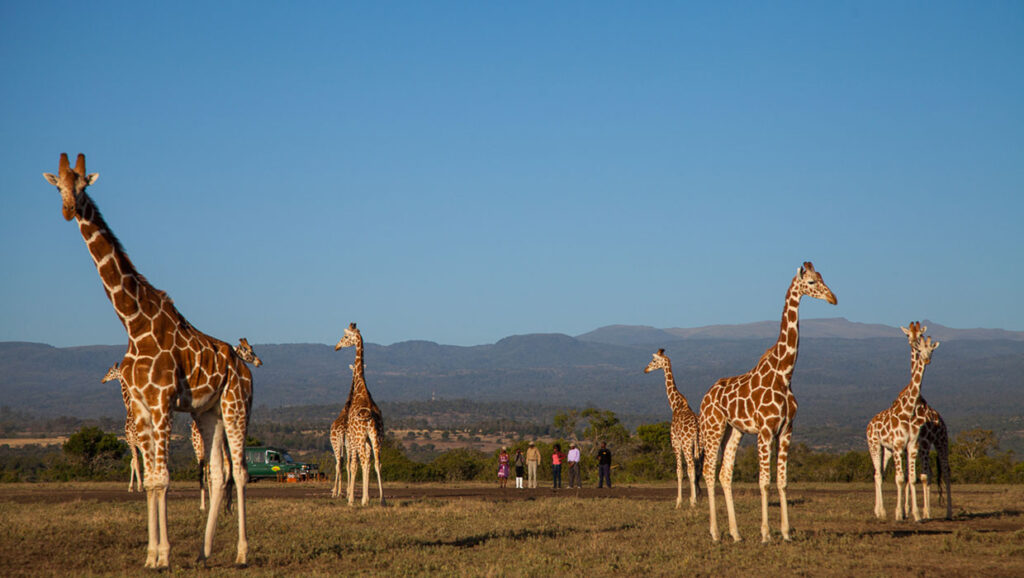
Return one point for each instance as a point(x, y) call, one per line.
point(603, 426)
point(566, 423)
point(93, 453)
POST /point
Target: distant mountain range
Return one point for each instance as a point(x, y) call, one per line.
point(837, 327)
point(846, 371)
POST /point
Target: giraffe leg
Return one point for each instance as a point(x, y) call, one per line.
point(155, 481)
point(690, 473)
point(782, 474)
point(134, 478)
point(926, 477)
point(912, 478)
point(725, 476)
point(203, 479)
point(211, 428)
point(711, 441)
point(364, 461)
point(897, 458)
point(336, 490)
point(350, 471)
point(236, 426)
point(375, 443)
point(764, 478)
point(878, 461)
point(679, 477)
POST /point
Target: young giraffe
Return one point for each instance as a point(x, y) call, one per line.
point(130, 435)
point(364, 422)
point(685, 441)
point(758, 402)
point(169, 366)
point(894, 429)
point(246, 352)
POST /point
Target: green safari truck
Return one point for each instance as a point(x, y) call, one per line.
point(268, 462)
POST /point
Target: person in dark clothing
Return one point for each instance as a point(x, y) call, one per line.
point(604, 466)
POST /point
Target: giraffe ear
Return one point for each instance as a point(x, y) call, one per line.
point(51, 178)
point(92, 178)
point(905, 330)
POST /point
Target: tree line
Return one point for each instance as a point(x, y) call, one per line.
point(643, 455)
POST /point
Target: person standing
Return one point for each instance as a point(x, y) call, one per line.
point(519, 462)
point(503, 467)
point(557, 457)
point(604, 466)
point(532, 461)
point(574, 466)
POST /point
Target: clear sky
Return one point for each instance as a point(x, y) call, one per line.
point(460, 172)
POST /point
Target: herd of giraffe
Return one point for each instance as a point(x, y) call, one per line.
point(171, 366)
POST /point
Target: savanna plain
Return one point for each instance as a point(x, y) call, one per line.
point(98, 529)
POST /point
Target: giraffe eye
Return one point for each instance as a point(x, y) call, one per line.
point(811, 282)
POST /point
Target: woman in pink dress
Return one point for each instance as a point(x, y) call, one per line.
point(503, 467)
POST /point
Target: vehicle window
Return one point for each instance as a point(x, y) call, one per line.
point(288, 458)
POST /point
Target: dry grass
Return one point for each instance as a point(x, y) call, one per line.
point(296, 532)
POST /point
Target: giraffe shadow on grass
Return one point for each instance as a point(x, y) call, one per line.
point(518, 535)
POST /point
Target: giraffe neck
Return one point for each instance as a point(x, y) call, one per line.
point(785, 350)
point(124, 393)
point(358, 377)
point(911, 394)
point(673, 393)
point(135, 301)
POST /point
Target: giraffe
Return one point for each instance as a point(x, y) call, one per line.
point(758, 402)
point(685, 441)
point(131, 436)
point(364, 422)
point(931, 433)
point(894, 429)
point(169, 366)
point(246, 352)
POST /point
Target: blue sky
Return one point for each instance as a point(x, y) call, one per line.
point(460, 172)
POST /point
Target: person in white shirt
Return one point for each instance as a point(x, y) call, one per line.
point(574, 466)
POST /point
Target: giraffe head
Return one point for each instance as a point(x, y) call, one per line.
point(812, 285)
point(350, 338)
point(71, 183)
point(113, 373)
point(244, 350)
point(914, 332)
point(924, 346)
point(659, 361)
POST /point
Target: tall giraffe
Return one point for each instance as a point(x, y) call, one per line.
point(365, 422)
point(246, 352)
point(169, 366)
point(131, 436)
point(758, 402)
point(685, 441)
point(894, 428)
